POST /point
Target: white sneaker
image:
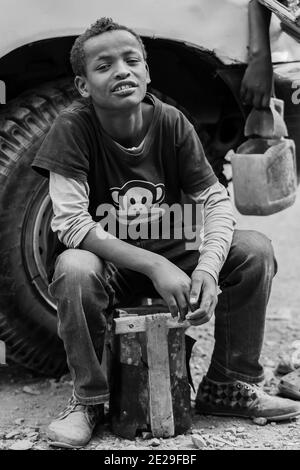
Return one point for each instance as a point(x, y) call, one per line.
point(75, 425)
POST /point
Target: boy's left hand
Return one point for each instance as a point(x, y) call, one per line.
point(203, 297)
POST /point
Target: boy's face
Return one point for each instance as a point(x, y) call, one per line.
point(116, 72)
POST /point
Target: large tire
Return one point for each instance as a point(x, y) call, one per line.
point(28, 322)
point(27, 313)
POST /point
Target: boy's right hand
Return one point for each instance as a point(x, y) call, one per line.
point(173, 285)
point(256, 88)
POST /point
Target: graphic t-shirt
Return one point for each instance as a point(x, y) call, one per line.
point(137, 183)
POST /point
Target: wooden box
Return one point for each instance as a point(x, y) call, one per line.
point(149, 387)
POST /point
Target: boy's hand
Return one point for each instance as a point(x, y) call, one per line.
point(256, 86)
point(203, 292)
point(173, 285)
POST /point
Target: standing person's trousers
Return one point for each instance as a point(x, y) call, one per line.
point(86, 288)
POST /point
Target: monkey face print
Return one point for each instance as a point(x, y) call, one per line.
point(138, 202)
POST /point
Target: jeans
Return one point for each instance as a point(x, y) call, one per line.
point(86, 287)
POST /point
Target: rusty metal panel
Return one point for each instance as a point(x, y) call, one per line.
point(183, 20)
point(220, 26)
point(2, 354)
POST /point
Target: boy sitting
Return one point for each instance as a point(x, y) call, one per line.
point(124, 147)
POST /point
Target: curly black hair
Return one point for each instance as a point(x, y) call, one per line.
point(78, 59)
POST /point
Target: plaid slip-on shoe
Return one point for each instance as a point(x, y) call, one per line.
point(74, 426)
point(241, 399)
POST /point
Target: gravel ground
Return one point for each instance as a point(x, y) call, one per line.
point(28, 402)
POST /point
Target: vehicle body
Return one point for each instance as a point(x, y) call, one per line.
point(197, 54)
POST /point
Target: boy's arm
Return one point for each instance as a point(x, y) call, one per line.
point(70, 203)
point(219, 225)
point(76, 229)
point(198, 181)
point(256, 86)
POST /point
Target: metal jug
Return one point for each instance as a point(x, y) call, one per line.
point(264, 167)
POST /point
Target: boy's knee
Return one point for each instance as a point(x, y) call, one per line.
point(261, 246)
point(257, 249)
point(75, 263)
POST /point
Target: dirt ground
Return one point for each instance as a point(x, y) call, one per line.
point(28, 403)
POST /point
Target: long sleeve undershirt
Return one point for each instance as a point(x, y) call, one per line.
point(72, 221)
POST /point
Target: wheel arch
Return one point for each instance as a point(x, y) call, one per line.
point(184, 72)
point(47, 59)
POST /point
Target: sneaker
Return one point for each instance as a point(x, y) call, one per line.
point(243, 400)
point(74, 426)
